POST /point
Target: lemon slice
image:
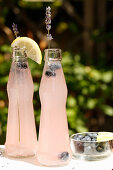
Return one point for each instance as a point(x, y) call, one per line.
point(104, 136)
point(33, 50)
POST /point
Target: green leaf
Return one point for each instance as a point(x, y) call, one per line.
point(62, 26)
point(73, 27)
point(4, 111)
point(108, 110)
point(57, 3)
point(71, 113)
point(36, 87)
point(0, 129)
point(1, 58)
point(2, 94)
point(67, 59)
point(79, 70)
point(4, 80)
point(92, 88)
point(84, 83)
point(107, 77)
point(4, 68)
point(30, 4)
point(80, 126)
point(71, 101)
point(5, 48)
point(104, 87)
point(81, 100)
point(85, 91)
point(95, 74)
point(91, 103)
point(71, 132)
point(77, 58)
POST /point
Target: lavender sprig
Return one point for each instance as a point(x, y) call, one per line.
point(15, 29)
point(48, 24)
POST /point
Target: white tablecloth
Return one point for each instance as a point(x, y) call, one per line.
point(32, 164)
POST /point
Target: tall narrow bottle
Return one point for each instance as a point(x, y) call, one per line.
point(53, 141)
point(21, 139)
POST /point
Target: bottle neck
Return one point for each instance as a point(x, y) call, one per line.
point(52, 55)
point(19, 55)
point(52, 62)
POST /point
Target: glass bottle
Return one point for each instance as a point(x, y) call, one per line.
point(53, 141)
point(21, 139)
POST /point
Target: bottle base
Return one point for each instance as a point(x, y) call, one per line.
point(13, 155)
point(55, 164)
point(52, 160)
point(17, 151)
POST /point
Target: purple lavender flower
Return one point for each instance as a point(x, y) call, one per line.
point(48, 27)
point(48, 22)
point(15, 29)
point(49, 37)
point(48, 12)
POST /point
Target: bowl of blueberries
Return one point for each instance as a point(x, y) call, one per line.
point(92, 146)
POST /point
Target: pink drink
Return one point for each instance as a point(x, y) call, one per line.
point(53, 143)
point(21, 137)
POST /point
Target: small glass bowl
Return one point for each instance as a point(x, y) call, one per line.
point(90, 150)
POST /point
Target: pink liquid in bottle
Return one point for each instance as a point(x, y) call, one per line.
point(53, 141)
point(21, 139)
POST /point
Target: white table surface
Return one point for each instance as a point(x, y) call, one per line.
point(32, 164)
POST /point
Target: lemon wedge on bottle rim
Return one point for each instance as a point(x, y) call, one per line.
point(32, 48)
point(104, 136)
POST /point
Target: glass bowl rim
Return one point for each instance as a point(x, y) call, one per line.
point(71, 137)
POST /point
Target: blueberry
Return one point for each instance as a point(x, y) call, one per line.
point(21, 65)
point(95, 135)
point(78, 137)
point(86, 138)
point(87, 149)
point(83, 139)
point(50, 73)
point(90, 134)
point(54, 66)
point(64, 156)
point(100, 147)
point(24, 65)
point(79, 147)
point(94, 139)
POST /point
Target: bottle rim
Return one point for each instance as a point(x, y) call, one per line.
point(53, 50)
point(21, 53)
point(19, 48)
point(53, 54)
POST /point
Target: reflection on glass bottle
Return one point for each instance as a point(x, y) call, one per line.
point(53, 142)
point(21, 139)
